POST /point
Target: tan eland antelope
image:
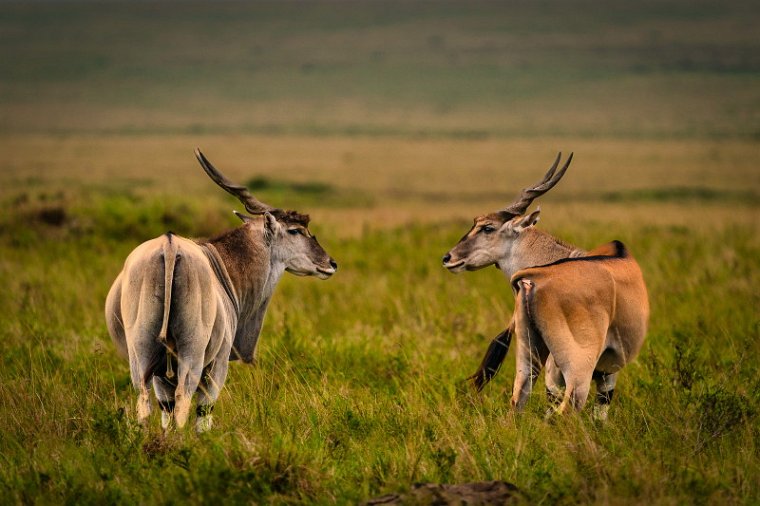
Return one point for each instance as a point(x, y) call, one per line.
point(584, 314)
point(192, 306)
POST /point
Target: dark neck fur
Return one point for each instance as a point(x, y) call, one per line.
point(246, 257)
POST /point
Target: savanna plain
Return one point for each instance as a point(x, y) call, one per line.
point(392, 125)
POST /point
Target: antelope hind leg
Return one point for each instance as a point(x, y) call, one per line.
point(140, 352)
point(530, 361)
point(165, 394)
point(576, 392)
point(188, 379)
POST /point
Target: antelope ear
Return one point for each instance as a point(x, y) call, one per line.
point(243, 217)
point(526, 221)
point(270, 222)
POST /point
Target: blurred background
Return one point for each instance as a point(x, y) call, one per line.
point(375, 114)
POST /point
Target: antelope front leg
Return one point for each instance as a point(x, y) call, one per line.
point(605, 387)
point(555, 385)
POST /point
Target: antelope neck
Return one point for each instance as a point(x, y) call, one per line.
point(534, 247)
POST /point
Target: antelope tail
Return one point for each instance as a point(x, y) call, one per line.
point(493, 359)
point(170, 258)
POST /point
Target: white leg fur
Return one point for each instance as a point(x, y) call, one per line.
point(143, 405)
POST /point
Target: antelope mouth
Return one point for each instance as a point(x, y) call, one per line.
point(325, 273)
point(455, 267)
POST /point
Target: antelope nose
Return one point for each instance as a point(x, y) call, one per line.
point(333, 264)
point(446, 258)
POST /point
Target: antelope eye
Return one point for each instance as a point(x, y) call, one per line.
point(488, 229)
point(293, 231)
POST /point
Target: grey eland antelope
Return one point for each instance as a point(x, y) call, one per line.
point(181, 309)
point(583, 314)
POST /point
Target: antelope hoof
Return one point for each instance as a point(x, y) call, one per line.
point(600, 412)
point(166, 420)
point(204, 424)
point(551, 414)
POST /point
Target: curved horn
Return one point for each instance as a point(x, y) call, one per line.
point(527, 196)
point(251, 203)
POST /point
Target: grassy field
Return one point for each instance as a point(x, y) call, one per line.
point(393, 125)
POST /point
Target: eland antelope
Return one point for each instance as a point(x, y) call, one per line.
point(583, 314)
point(192, 306)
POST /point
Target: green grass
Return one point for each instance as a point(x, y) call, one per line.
point(393, 124)
point(357, 388)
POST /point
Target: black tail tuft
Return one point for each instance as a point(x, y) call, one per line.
point(620, 250)
point(492, 360)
